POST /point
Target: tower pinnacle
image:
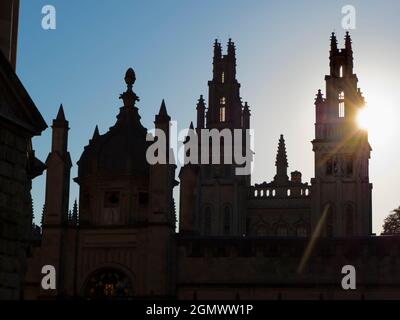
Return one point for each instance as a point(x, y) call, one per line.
point(201, 108)
point(319, 97)
point(334, 47)
point(281, 161)
point(162, 115)
point(96, 133)
point(60, 114)
point(348, 42)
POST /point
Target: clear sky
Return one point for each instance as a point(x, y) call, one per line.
point(282, 56)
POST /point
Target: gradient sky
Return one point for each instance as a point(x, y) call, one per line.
point(282, 56)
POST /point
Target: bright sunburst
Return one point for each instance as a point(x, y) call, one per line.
point(377, 118)
point(365, 118)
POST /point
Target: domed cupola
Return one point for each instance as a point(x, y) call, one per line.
point(122, 150)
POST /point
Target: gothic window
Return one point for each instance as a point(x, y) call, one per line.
point(222, 109)
point(341, 72)
point(207, 221)
point(341, 105)
point(349, 220)
point(329, 167)
point(227, 220)
point(281, 231)
point(301, 231)
point(223, 77)
point(336, 166)
point(222, 115)
point(108, 284)
point(329, 220)
point(111, 199)
point(261, 230)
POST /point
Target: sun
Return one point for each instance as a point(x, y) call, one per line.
point(365, 118)
point(378, 119)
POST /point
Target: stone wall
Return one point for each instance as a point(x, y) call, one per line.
point(15, 211)
point(271, 268)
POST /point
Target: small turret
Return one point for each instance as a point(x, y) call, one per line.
point(201, 109)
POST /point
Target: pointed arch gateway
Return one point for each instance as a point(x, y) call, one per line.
point(108, 283)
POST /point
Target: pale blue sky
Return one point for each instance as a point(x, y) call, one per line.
point(282, 50)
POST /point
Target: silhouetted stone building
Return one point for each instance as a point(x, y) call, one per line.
point(280, 239)
point(19, 122)
point(9, 12)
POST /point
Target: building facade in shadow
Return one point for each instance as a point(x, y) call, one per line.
point(19, 122)
point(281, 239)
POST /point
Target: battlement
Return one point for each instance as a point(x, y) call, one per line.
point(271, 190)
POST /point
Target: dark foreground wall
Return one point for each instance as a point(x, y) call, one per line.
point(271, 268)
point(19, 122)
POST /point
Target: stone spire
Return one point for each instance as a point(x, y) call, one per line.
point(96, 133)
point(281, 162)
point(60, 132)
point(162, 115)
point(60, 114)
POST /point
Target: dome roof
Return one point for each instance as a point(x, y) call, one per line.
point(122, 150)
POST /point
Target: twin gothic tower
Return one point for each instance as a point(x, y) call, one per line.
point(126, 227)
point(341, 190)
point(216, 202)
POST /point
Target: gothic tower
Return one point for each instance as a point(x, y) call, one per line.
point(55, 217)
point(341, 189)
point(213, 195)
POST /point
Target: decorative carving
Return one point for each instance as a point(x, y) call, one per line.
point(129, 97)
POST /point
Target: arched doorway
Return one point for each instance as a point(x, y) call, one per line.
point(108, 283)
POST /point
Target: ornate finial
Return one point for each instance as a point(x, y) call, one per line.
point(200, 102)
point(129, 97)
point(130, 77)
